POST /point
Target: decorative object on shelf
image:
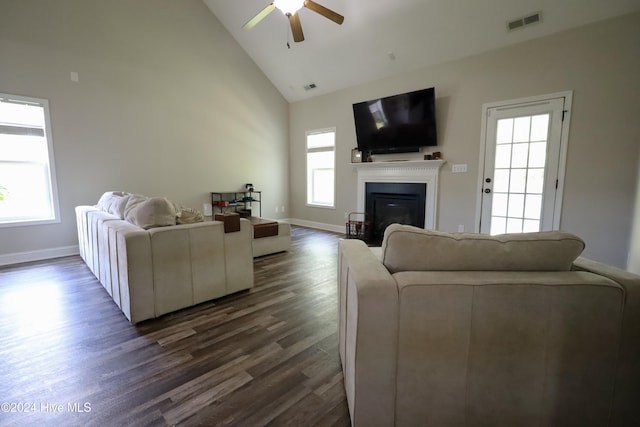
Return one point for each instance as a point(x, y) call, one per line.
point(436, 155)
point(428, 157)
point(356, 156)
point(248, 187)
point(367, 157)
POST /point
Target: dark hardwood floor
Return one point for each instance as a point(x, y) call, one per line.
point(267, 356)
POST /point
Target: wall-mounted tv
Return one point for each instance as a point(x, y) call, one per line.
point(396, 124)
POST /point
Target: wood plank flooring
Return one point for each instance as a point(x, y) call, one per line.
point(268, 356)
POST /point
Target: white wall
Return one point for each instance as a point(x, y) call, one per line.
point(167, 104)
point(599, 62)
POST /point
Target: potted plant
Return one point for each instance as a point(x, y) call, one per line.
point(3, 192)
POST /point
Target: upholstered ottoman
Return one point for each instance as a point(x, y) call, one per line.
point(270, 236)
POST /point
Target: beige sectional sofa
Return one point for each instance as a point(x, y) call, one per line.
point(441, 329)
point(279, 242)
point(154, 257)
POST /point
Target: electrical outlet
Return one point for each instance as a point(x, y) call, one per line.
point(206, 208)
point(460, 228)
point(276, 209)
point(461, 168)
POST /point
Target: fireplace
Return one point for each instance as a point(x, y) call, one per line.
point(422, 172)
point(393, 202)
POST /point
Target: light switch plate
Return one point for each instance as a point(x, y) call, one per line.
point(461, 168)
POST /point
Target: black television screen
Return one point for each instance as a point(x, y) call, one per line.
point(396, 124)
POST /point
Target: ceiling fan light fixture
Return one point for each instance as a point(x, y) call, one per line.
point(288, 7)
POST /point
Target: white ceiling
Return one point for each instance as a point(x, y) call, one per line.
point(417, 33)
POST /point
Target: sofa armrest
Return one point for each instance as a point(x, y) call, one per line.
point(628, 373)
point(132, 270)
point(239, 258)
point(367, 330)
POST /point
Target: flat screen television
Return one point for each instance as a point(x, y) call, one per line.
point(396, 124)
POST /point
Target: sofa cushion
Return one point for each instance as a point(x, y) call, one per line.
point(132, 202)
point(188, 215)
point(408, 248)
point(106, 197)
point(150, 212)
point(113, 202)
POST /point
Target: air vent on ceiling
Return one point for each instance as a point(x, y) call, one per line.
point(524, 21)
point(310, 86)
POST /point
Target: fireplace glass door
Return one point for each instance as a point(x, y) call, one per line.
point(394, 203)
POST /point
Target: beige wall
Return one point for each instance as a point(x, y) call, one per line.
point(167, 104)
point(600, 63)
point(634, 251)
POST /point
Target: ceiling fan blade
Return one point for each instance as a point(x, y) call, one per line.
point(327, 13)
point(296, 27)
point(259, 17)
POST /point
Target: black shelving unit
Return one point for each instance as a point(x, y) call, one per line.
point(241, 202)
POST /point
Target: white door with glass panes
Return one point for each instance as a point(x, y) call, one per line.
point(524, 155)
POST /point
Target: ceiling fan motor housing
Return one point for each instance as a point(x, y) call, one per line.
point(290, 9)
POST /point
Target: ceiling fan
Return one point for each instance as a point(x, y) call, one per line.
point(290, 9)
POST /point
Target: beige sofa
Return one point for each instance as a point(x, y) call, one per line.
point(154, 257)
point(441, 329)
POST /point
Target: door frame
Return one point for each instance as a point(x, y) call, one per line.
point(562, 155)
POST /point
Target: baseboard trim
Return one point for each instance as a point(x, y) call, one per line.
point(39, 255)
point(318, 225)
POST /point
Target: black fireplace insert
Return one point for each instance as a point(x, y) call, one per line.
point(390, 202)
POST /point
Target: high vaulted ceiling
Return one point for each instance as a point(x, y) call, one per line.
point(381, 38)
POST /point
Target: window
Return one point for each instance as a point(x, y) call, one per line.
point(27, 179)
point(321, 167)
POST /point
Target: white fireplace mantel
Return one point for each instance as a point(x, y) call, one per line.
point(411, 171)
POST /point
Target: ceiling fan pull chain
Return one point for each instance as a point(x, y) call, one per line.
point(287, 35)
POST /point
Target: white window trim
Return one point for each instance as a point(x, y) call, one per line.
point(306, 172)
point(52, 168)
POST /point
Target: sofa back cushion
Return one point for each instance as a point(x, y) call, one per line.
point(408, 248)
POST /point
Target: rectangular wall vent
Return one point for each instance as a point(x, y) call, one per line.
point(523, 21)
point(310, 86)
point(531, 19)
point(515, 24)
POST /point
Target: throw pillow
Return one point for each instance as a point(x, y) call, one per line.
point(188, 216)
point(152, 212)
point(132, 202)
point(107, 199)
